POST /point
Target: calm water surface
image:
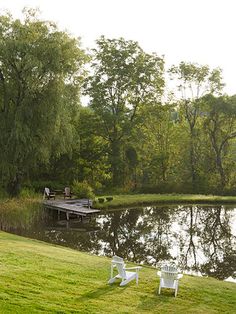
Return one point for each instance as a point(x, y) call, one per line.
point(201, 239)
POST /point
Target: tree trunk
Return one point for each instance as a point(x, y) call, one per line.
point(220, 170)
point(116, 163)
point(193, 163)
point(218, 160)
point(14, 185)
point(191, 245)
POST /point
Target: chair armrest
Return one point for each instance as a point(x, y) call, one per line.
point(159, 273)
point(116, 262)
point(179, 276)
point(129, 268)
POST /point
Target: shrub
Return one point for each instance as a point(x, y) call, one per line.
point(39, 186)
point(109, 198)
point(82, 190)
point(101, 200)
point(27, 193)
point(3, 193)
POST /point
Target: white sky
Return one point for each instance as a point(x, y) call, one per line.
point(201, 31)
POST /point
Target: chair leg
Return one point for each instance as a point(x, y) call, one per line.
point(159, 291)
point(137, 279)
point(123, 283)
point(176, 289)
point(111, 280)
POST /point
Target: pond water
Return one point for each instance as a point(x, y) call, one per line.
point(200, 239)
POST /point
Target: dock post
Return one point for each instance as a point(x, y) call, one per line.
point(67, 216)
point(58, 215)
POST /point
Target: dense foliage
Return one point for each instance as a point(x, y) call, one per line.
point(40, 73)
point(131, 136)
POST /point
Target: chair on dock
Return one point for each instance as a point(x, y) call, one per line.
point(67, 192)
point(48, 194)
point(169, 278)
point(123, 274)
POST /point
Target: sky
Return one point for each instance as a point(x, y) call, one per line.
point(200, 31)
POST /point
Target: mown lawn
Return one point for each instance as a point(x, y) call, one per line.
point(37, 277)
point(148, 199)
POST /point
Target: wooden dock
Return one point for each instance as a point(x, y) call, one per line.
point(78, 207)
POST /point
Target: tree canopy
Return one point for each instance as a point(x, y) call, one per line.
point(124, 79)
point(129, 136)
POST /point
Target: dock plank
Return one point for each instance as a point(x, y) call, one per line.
point(74, 206)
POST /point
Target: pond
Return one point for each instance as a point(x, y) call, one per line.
point(200, 239)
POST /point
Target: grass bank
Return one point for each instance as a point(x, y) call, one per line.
point(20, 202)
point(37, 277)
point(126, 200)
point(21, 211)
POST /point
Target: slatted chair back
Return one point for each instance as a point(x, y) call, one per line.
point(118, 262)
point(169, 272)
point(67, 191)
point(47, 192)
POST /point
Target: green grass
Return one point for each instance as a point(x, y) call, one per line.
point(36, 277)
point(20, 203)
point(127, 200)
point(148, 199)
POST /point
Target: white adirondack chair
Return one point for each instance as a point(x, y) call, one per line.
point(169, 278)
point(67, 192)
point(47, 194)
point(123, 274)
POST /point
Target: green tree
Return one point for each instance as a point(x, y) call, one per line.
point(220, 126)
point(153, 139)
point(87, 160)
point(193, 82)
point(124, 79)
point(40, 76)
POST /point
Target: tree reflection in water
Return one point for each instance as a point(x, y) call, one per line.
point(198, 238)
point(207, 242)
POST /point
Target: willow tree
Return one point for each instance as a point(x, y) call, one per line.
point(40, 77)
point(124, 79)
point(193, 82)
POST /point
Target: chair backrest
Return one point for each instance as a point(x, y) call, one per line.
point(169, 272)
point(47, 191)
point(120, 265)
point(67, 191)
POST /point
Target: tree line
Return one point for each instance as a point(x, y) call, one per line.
point(144, 128)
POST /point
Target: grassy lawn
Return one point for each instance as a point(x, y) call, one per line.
point(148, 199)
point(36, 277)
